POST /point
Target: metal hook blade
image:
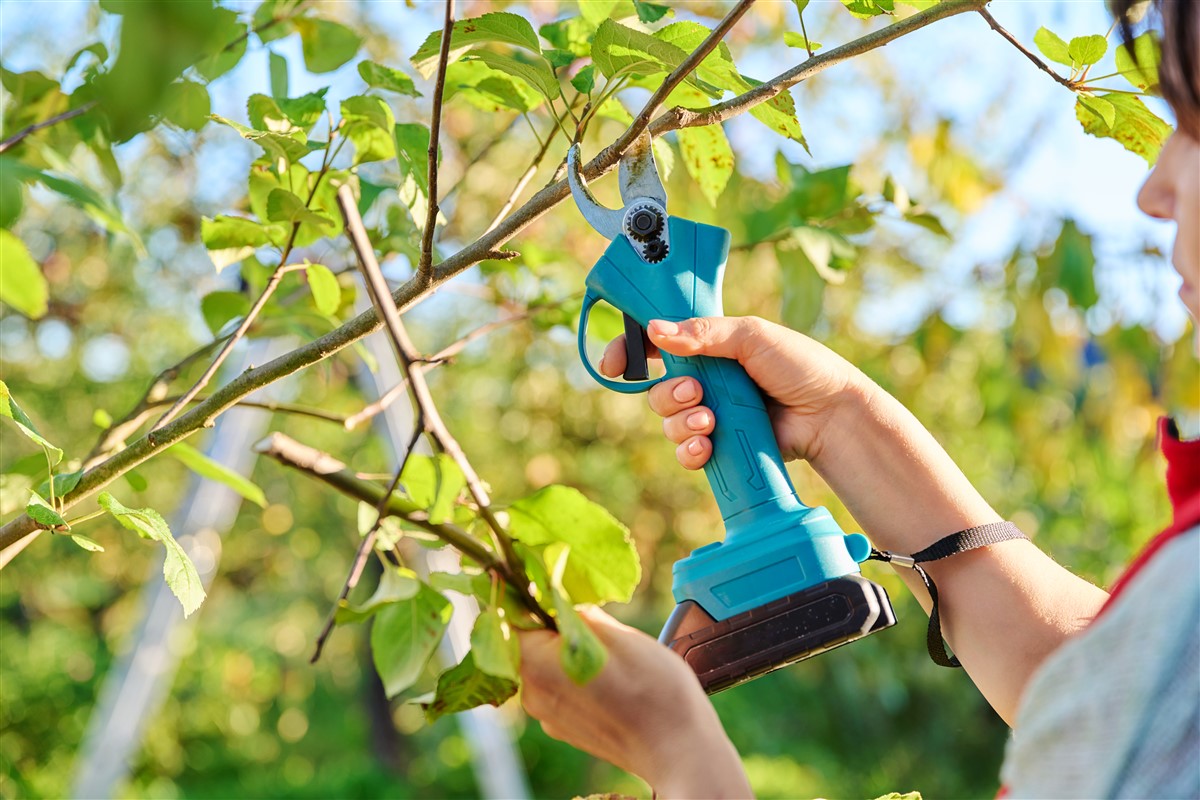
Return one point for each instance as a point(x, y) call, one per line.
point(605, 220)
point(639, 173)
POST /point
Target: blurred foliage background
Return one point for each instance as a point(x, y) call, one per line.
point(1039, 349)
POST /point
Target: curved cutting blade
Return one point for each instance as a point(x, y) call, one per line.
point(606, 221)
point(639, 173)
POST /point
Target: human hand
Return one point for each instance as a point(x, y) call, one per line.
point(804, 382)
point(645, 712)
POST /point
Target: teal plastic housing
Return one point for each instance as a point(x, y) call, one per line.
point(774, 544)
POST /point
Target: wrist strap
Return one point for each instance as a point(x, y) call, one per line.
point(955, 543)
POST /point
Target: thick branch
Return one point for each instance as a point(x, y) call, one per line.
point(1042, 65)
point(486, 247)
point(425, 268)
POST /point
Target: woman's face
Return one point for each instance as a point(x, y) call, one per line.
point(1173, 192)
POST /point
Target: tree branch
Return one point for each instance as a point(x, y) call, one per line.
point(410, 360)
point(329, 470)
point(22, 134)
point(1042, 65)
point(425, 268)
point(486, 247)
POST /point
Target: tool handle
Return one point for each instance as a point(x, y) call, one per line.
point(746, 469)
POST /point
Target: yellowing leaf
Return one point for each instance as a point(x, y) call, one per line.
point(1134, 126)
point(708, 159)
point(22, 284)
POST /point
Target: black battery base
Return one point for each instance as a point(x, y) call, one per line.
point(790, 629)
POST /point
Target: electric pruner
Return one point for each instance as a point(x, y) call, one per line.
point(784, 584)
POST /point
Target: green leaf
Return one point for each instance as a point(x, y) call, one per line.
point(664, 157)
point(326, 292)
point(1071, 266)
point(395, 585)
point(433, 483)
point(230, 239)
point(708, 159)
point(478, 585)
point(928, 221)
point(377, 76)
point(821, 195)
point(829, 253)
point(368, 122)
point(596, 12)
point(779, 114)
point(585, 80)
point(1136, 127)
point(285, 206)
point(1085, 50)
point(327, 45)
point(499, 26)
point(1053, 47)
point(1141, 71)
point(220, 308)
point(136, 481)
point(489, 89)
point(205, 467)
point(603, 565)
point(537, 74)
point(90, 545)
point(286, 114)
point(803, 290)
point(465, 686)
point(225, 28)
point(798, 40)
point(495, 646)
point(12, 192)
point(24, 286)
point(616, 48)
point(573, 35)
point(289, 147)
point(63, 483)
point(559, 58)
point(404, 636)
point(10, 409)
point(1100, 107)
point(865, 9)
point(279, 75)
point(271, 19)
point(100, 210)
point(178, 570)
point(650, 13)
point(581, 653)
point(186, 104)
point(800, 5)
point(44, 515)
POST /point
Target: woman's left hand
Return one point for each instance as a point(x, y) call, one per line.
point(645, 712)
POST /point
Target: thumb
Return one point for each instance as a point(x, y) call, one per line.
point(722, 337)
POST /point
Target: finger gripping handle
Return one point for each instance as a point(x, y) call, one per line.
point(746, 469)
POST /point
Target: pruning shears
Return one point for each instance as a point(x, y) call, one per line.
point(784, 584)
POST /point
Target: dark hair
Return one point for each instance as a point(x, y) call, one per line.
point(1179, 72)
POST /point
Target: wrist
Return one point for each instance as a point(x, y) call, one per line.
point(708, 768)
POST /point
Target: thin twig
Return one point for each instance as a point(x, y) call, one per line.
point(425, 266)
point(20, 135)
point(251, 315)
point(367, 543)
point(409, 359)
point(485, 248)
point(525, 178)
point(1042, 65)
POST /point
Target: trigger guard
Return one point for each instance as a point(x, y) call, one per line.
point(634, 387)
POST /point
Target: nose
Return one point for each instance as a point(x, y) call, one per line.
point(1157, 195)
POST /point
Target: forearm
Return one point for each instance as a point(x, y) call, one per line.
point(1004, 608)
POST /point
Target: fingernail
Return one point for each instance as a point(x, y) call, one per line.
point(697, 421)
point(600, 366)
point(684, 392)
point(664, 327)
point(694, 447)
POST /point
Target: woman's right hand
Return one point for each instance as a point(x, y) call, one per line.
point(805, 383)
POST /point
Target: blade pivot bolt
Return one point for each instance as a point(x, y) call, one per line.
point(644, 222)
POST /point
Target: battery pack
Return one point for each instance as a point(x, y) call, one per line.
point(804, 624)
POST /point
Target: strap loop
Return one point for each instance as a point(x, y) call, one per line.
point(955, 543)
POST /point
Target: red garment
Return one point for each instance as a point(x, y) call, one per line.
point(1183, 487)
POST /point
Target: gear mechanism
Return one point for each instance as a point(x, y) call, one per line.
point(643, 222)
point(655, 251)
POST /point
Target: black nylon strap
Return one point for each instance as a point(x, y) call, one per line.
point(955, 543)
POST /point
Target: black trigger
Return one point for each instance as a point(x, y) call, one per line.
point(636, 368)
